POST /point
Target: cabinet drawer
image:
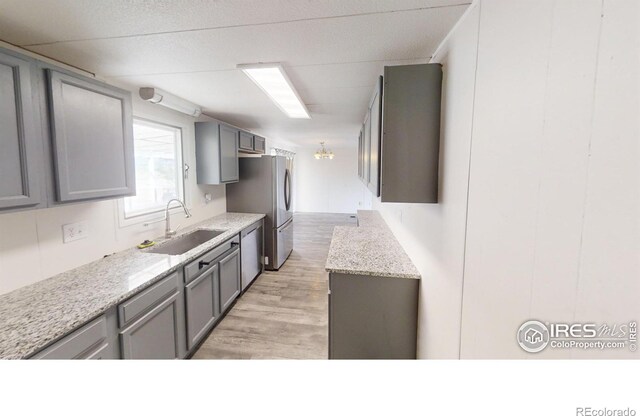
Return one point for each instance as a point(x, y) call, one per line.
point(199, 265)
point(137, 305)
point(79, 343)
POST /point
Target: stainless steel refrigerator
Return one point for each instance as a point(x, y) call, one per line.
point(265, 187)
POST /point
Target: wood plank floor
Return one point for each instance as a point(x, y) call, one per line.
point(284, 313)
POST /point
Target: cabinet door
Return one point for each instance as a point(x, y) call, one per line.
point(229, 279)
point(374, 152)
point(228, 154)
point(202, 308)
point(246, 141)
point(92, 132)
point(360, 152)
point(259, 144)
point(156, 334)
point(367, 148)
point(20, 141)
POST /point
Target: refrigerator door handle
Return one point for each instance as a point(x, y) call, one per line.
point(287, 189)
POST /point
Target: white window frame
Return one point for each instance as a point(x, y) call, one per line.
point(158, 214)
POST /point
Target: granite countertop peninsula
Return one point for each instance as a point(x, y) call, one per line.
point(370, 249)
point(33, 316)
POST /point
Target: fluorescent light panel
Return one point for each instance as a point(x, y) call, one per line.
point(272, 79)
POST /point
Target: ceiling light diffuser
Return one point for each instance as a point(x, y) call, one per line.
point(272, 79)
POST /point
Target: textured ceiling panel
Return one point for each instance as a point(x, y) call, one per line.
point(26, 22)
point(402, 35)
point(333, 51)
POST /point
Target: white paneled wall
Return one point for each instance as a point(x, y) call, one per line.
point(609, 269)
point(553, 199)
point(31, 247)
point(552, 222)
point(329, 185)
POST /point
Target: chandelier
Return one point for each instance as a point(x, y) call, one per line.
point(323, 153)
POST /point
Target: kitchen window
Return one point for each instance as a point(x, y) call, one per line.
point(158, 160)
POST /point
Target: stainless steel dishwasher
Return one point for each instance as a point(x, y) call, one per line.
point(251, 253)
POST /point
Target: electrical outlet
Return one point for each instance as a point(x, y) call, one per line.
point(207, 198)
point(75, 231)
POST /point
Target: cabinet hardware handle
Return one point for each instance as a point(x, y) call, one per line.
point(203, 263)
point(233, 244)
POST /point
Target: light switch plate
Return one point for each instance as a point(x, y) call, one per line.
point(75, 231)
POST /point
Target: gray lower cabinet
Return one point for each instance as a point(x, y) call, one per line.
point(230, 279)
point(153, 323)
point(92, 138)
point(156, 334)
point(20, 138)
point(212, 284)
point(216, 153)
point(92, 341)
point(372, 317)
point(202, 306)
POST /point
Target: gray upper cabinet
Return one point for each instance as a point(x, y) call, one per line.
point(250, 143)
point(411, 133)
point(398, 145)
point(246, 141)
point(228, 154)
point(375, 111)
point(360, 154)
point(367, 149)
point(259, 144)
point(20, 138)
point(230, 279)
point(216, 153)
point(92, 138)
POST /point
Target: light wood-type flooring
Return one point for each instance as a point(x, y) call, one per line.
point(283, 314)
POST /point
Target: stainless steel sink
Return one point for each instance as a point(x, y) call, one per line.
point(186, 242)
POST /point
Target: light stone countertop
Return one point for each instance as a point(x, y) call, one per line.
point(370, 249)
point(33, 316)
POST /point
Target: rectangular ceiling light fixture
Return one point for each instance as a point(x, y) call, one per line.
point(158, 96)
point(272, 79)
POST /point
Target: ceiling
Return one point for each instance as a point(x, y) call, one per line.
point(333, 51)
